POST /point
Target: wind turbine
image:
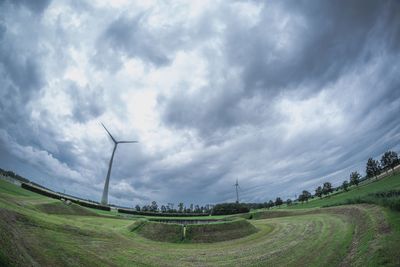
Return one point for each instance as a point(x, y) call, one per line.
point(237, 192)
point(104, 198)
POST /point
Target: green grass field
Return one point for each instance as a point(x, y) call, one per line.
point(39, 231)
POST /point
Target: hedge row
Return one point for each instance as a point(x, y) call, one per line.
point(149, 213)
point(40, 191)
point(91, 205)
point(229, 208)
point(57, 196)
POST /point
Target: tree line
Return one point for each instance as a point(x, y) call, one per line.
point(373, 169)
point(13, 175)
point(169, 208)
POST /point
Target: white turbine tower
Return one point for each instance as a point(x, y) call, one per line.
point(104, 198)
point(237, 192)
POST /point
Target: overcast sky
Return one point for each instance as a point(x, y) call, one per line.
point(282, 95)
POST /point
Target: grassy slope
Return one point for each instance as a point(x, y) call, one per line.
point(354, 235)
point(387, 183)
point(161, 231)
point(217, 232)
point(197, 233)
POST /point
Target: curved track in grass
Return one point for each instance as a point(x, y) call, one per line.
point(328, 237)
point(353, 235)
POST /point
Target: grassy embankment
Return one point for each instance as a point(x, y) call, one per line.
point(369, 187)
point(195, 233)
point(35, 230)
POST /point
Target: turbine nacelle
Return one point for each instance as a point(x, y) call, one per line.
point(115, 141)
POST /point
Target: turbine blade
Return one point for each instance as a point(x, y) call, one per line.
point(126, 142)
point(108, 133)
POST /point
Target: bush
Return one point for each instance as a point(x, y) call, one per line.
point(40, 191)
point(229, 208)
point(159, 214)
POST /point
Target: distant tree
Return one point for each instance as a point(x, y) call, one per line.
point(205, 209)
point(191, 208)
point(229, 208)
point(145, 208)
point(154, 206)
point(389, 160)
point(270, 204)
point(137, 208)
point(327, 188)
point(372, 169)
point(278, 201)
point(318, 191)
point(170, 207)
point(355, 178)
point(180, 207)
point(288, 202)
point(304, 196)
point(163, 208)
point(345, 185)
point(197, 208)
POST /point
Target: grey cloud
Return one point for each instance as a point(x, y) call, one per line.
point(37, 6)
point(326, 40)
point(133, 37)
point(130, 37)
point(21, 79)
point(297, 51)
point(88, 103)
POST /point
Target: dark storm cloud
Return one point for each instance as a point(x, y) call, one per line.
point(321, 41)
point(327, 41)
point(292, 94)
point(326, 37)
point(88, 103)
point(132, 38)
point(37, 6)
point(20, 71)
point(129, 37)
point(21, 81)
